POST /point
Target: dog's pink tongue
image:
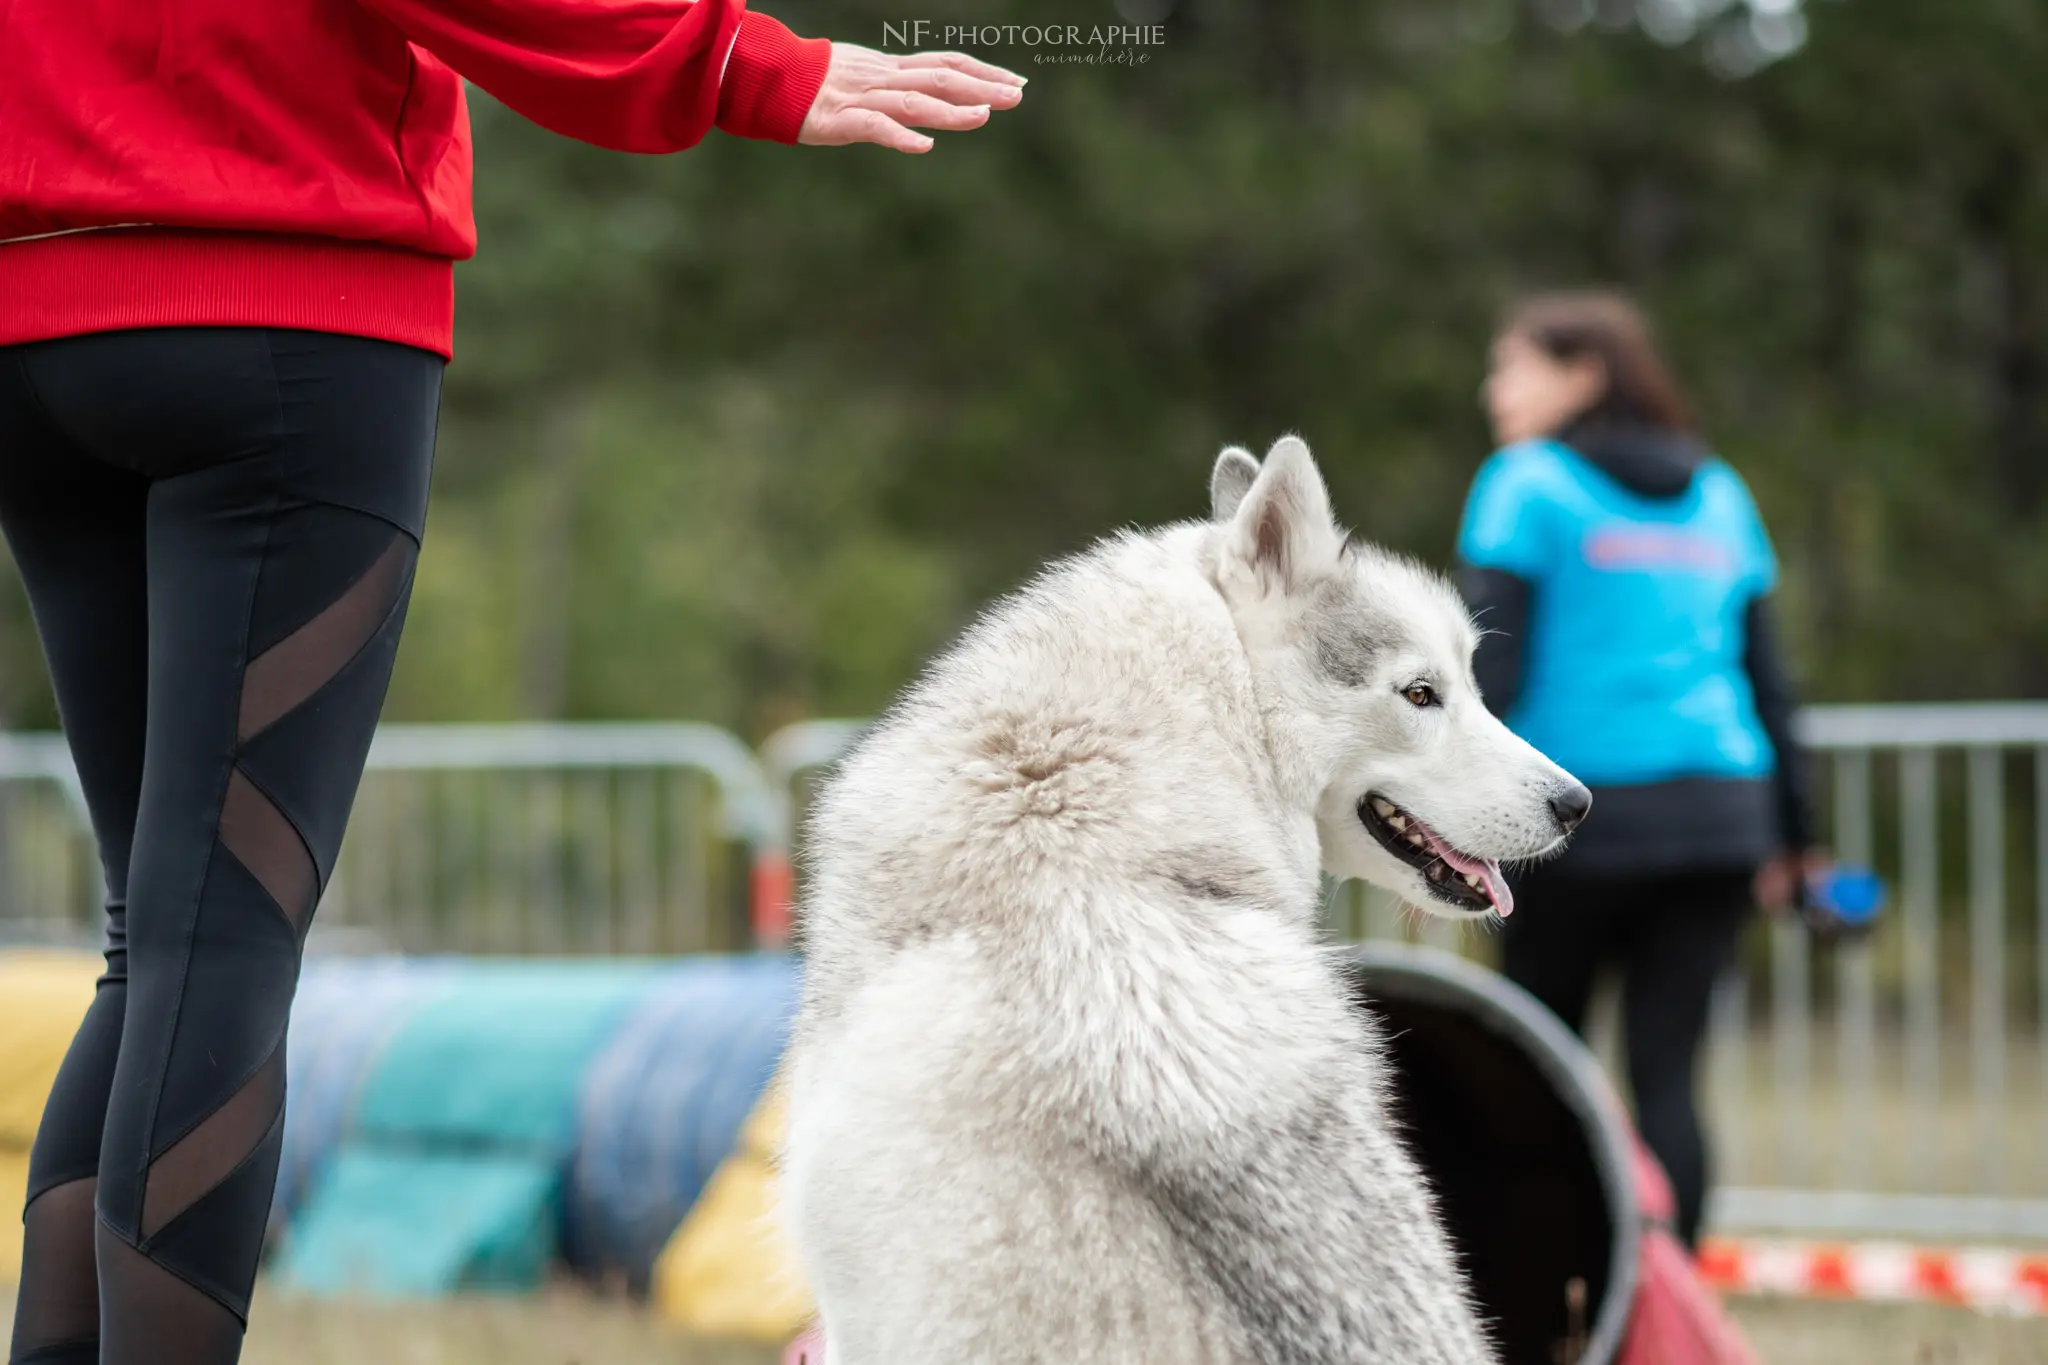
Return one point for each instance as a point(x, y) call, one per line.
point(1497, 887)
point(1487, 870)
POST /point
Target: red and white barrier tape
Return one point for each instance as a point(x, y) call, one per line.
point(1986, 1279)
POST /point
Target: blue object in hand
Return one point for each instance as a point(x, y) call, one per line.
point(1844, 898)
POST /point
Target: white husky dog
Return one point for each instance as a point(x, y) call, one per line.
point(1073, 1082)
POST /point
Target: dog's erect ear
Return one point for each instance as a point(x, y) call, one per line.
point(1282, 525)
point(1234, 475)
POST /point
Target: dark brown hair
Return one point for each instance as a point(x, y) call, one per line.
point(1609, 328)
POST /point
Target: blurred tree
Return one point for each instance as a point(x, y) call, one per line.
point(745, 433)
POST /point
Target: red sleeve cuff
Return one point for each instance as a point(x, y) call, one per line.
point(771, 80)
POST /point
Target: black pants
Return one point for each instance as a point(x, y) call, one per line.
point(217, 529)
point(1671, 935)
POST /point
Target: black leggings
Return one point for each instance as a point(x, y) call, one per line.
point(1672, 936)
point(217, 529)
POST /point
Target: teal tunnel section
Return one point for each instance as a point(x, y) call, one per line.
point(345, 1011)
point(457, 1124)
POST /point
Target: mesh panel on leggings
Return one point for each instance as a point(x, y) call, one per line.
point(163, 1320)
point(209, 1154)
point(59, 1306)
point(303, 662)
point(267, 844)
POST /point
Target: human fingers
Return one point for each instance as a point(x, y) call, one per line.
point(966, 65)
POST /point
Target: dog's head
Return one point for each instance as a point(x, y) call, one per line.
point(1362, 662)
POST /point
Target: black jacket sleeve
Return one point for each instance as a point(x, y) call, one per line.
point(1775, 703)
point(1500, 602)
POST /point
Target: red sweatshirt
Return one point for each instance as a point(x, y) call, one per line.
point(305, 163)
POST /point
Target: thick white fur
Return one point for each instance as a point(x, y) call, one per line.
point(1073, 1080)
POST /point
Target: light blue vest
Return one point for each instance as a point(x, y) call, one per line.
point(1634, 668)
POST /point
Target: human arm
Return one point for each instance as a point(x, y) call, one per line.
point(1500, 602)
point(657, 75)
point(1506, 542)
point(1776, 702)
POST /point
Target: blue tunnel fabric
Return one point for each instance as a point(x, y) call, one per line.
point(346, 1010)
point(457, 1123)
point(664, 1104)
point(449, 1174)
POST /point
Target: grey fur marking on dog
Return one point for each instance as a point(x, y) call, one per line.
point(1350, 636)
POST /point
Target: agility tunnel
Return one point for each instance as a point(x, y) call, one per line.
point(448, 1174)
point(463, 1124)
point(345, 1011)
point(528, 1113)
point(663, 1106)
point(1558, 1214)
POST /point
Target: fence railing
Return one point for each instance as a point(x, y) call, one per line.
point(1900, 1082)
point(1893, 1084)
point(639, 838)
point(49, 874)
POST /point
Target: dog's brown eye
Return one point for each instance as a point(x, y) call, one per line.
point(1420, 694)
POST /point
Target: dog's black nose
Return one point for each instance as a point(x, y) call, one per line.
point(1570, 806)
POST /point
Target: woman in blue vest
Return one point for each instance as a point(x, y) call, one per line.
point(1624, 579)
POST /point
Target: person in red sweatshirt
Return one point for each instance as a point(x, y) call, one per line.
point(227, 239)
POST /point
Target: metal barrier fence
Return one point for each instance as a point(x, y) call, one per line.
point(1898, 1084)
point(640, 838)
point(49, 876)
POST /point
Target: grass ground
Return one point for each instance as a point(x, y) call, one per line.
point(568, 1328)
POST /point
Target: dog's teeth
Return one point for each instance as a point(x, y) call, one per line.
point(1415, 840)
point(1382, 807)
point(1397, 821)
point(1471, 881)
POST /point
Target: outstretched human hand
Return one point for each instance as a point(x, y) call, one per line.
point(880, 97)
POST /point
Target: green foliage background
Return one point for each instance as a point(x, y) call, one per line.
point(746, 433)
